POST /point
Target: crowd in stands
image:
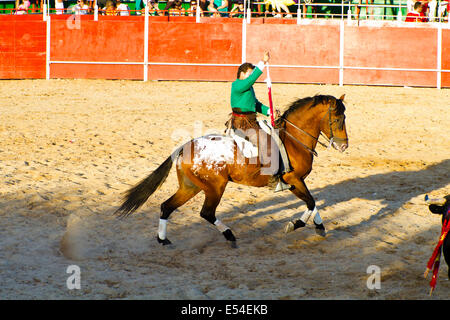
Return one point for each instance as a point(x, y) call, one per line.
point(418, 10)
point(23, 6)
point(417, 14)
point(425, 10)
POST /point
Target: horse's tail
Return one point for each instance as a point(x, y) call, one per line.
point(136, 196)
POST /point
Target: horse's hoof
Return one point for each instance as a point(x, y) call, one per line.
point(233, 244)
point(289, 227)
point(320, 230)
point(229, 235)
point(163, 242)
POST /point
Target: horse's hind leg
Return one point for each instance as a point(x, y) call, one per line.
point(213, 194)
point(185, 192)
point(301, 191)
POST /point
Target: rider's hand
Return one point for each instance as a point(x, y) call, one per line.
point(266, 57)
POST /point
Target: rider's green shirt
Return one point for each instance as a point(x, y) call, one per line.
point(243, 95)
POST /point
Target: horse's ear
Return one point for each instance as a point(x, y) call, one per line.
point(342, 97)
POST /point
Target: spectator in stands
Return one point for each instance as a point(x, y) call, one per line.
point(219, 8)
point(238, 9)
point(431, 6)
point(137, 7)
point(110, 8)
point(59, 6)
point(153, 7)
point(428, 8)
point(178, 9)
point(34, 5)
point(22, 6)
point(313, 8)
point(369, 10)
point(279, 5)
point(444, 6)
point(191, 11)
point(204, 6)
point(90, 3)
point(101, 4)
point(80, 8)
point(416, 15)
point(171, 3)
point(122, 8)
point(257, 7)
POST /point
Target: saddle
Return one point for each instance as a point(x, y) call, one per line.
point(249, 150)
point(285, 165)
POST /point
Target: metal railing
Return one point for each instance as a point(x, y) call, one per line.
point(345, 9)
point(341, 67)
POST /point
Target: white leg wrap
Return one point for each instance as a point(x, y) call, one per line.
point(306, 215)
point(220, 226)
point(317, 218)
point(162, 229)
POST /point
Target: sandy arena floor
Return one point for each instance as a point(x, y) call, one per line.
point(69, 149)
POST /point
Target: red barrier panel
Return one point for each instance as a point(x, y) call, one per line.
point(305, 53)
point(390, 47)
point(22, 47)
point(445, 78)
point(218, 43)
point(106, 40)
point(212, 43)
point(296, 45)
point(123, 41)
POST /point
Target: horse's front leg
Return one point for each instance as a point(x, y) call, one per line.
point(301, 191)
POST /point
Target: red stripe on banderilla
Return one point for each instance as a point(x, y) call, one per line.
point(434, 261)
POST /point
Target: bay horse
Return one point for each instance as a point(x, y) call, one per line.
point(208, 163)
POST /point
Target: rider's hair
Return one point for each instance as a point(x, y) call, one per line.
point(417, 5)
point(244, 67)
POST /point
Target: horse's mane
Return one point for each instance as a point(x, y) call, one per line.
point(311, 102)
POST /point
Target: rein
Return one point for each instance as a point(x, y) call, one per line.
point(303, 145)
point(330, 141)
point(301, 130)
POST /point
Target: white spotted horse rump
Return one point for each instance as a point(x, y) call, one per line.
point(248, 149)
point(213, 152)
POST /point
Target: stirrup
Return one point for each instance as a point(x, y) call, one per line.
point(281, 186)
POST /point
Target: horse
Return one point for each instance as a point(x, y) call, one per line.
point(208, 163)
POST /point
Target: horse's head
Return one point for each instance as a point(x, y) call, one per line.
point(440, 206)
point(333, 123)
point(309, 117)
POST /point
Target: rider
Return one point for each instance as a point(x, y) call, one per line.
point(245, 105)
point(243, 99)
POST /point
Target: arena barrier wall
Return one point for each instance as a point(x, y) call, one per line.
point(179, 48)
point(22, 47)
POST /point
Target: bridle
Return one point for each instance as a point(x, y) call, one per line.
point(330, 141)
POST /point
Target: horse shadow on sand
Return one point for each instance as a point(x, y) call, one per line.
point(393, 190)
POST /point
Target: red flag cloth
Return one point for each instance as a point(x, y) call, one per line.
point(271, 107)
point(269, 87)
